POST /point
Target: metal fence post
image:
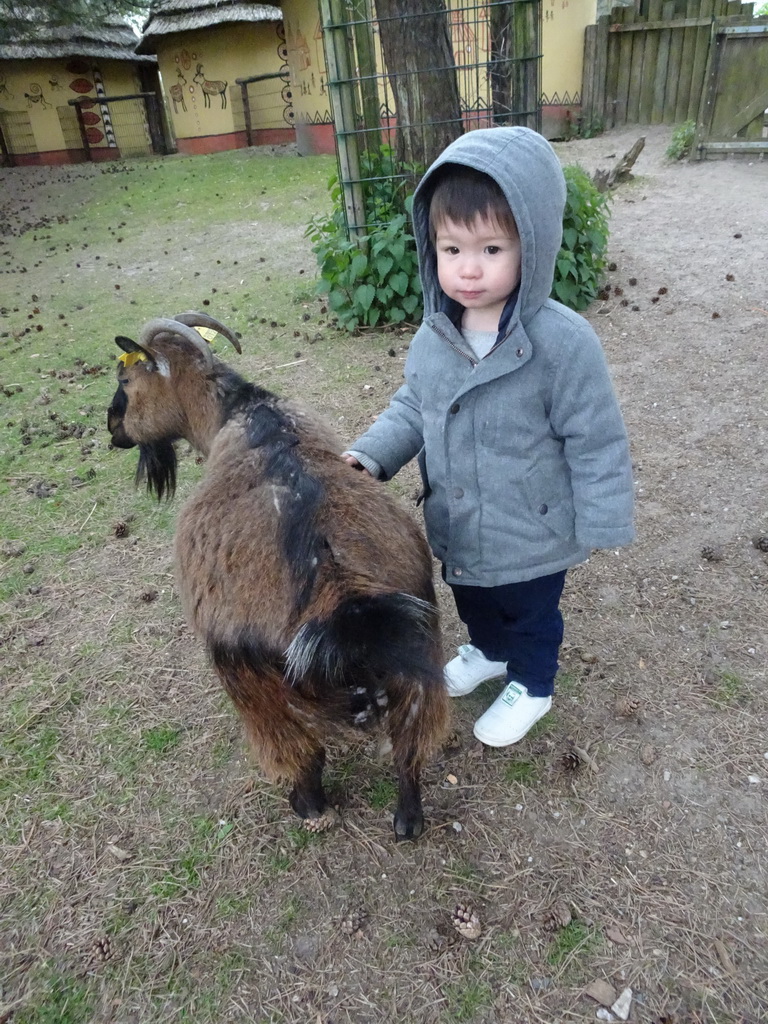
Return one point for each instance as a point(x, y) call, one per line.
point(342, 94)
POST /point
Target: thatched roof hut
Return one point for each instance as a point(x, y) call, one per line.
point(32, 36)
point(168, 16)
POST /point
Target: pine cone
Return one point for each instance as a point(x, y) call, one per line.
point(354, 921)
point(712, 554)
point(466, 922)
point(102, 949)
point(558, 916)
point(761, 542)
point(120, 529)
point(628, 706)
point(571, 763)
point(647, 754)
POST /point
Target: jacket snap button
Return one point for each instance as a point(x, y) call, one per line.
point(458, 492)
point(457, 572)
point(455, 408)
point(519, 353)
point(543, 509)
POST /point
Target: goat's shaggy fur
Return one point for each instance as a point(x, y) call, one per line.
point(310, 585)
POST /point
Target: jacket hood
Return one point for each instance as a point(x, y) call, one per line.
point(527, 170)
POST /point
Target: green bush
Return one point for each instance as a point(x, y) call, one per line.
point(582, 256)
point(375, 282)
point(682, 140)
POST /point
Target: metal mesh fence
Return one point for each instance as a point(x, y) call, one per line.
point(406, 79)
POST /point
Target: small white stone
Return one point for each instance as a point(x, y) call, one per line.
point(603, 1014)
point(754, 780)
point(667, 775)
point(457, 826)
point(623, 1004)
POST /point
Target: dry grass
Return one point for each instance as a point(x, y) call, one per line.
point(148, 874)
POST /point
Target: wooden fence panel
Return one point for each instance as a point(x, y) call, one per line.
point(650, 58)
point(732, 111)
point(699, 62)
point(647, 63)
point(663, 82)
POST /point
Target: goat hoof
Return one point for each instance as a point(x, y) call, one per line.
point(327, 820)
point(408, 828)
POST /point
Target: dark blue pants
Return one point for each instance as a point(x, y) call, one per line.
point(519, 623)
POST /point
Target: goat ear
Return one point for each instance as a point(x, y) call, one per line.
point(132, 348)
point(127, 344)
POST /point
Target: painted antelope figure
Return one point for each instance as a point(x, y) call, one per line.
point(210, 88)
point(177, 92)
point(310, 585)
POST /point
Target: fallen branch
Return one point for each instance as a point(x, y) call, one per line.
point(622, 171)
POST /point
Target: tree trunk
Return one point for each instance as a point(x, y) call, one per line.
point(419, 59)
point(513, 69)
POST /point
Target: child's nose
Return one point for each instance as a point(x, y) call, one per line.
point(470, 267)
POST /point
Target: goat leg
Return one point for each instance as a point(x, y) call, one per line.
point(409, 819)
point(307, 797)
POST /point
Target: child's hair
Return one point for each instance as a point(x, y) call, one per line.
point(461, 194)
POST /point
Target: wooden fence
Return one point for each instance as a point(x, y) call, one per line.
point(647, 64)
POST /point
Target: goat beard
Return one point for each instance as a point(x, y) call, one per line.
point(157, 465)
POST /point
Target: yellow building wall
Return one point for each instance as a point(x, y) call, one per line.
point(304, 41)
point(33, 102)
point(562, 46)
point(220, 55)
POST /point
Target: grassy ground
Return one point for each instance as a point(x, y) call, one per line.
point(148, 873)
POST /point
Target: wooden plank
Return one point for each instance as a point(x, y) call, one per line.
point(686, 65)
point(736, 147)
point(708, 94)
point(734, 7)
point(661, 76)
point(649, 75)
point(625, 67)
point(612, 72)
point(635, 77)
point(700, 57)
point(588, 73)
point(601, 62)
point(674, 62)
point(672, 23)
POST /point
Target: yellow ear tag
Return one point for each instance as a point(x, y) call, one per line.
point(207, 333)
point(129, 358)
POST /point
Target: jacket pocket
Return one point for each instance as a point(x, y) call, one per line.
point(550, 498)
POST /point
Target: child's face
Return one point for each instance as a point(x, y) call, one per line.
point(478, 266)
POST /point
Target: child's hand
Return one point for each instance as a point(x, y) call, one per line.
point(352, 461)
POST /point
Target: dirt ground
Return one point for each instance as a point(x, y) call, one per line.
point(623, 842)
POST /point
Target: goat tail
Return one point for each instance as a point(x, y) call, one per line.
point(379, 655)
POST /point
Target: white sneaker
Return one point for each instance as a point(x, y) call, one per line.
point(510, 716)
point(465, 673)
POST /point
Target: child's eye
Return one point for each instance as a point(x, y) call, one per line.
point(452, 250)
point(492, 249)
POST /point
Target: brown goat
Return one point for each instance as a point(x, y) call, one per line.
point(310, 585)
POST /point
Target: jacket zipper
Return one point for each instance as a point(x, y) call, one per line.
point(461, 352)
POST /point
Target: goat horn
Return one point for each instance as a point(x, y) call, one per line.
point(164, 325)
point(193, 319)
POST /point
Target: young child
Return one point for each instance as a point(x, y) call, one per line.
point(508, 404)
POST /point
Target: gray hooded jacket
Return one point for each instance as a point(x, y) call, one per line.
point(523, 454)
